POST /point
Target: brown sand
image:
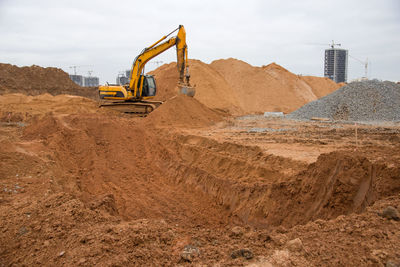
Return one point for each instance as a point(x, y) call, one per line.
point(182, 110)
point(211, 87)
point(321, 86)
point(15, 107)
point(239, 88)
point(37, 80)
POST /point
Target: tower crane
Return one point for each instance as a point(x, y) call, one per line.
point(76, 66)
point(332, 45)
point(365, 63)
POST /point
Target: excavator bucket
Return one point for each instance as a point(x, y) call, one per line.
point(187, 90)
point(184, 88)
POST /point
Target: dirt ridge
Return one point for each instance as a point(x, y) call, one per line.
point(36, 80)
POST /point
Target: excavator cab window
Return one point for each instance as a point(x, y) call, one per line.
point(149, 86)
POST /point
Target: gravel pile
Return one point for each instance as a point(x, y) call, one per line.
point(357, 101)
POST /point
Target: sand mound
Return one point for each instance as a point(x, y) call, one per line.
point(211, 88)
point(239, 88)
point(270, 88)
point(36, 80)
point(183, 111)
point(321, 86)
point(19, 107)
point(229, 85)
point(166, 79)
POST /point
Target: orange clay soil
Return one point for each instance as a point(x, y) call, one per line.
point(104, 189)
point(82, 186)
point(182, 110)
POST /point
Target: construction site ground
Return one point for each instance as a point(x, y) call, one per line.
point(187, 185)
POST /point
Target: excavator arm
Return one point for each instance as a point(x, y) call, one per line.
point(136, 83)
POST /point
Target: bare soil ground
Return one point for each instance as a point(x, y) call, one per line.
point(81, 186)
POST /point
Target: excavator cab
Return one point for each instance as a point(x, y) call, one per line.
point(149, 86)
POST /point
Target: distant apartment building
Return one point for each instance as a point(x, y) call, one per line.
point(91, 81)
point(78, 79)
point(121, 80)
point(123, 77)
point(84, 81)
point(336, 64)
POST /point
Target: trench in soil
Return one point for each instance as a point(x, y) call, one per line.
point(137, 172)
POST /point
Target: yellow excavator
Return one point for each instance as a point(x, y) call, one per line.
point(134, 97)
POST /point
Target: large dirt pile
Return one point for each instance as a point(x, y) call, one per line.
point(37, 80)
point(321, 86)
point(20, 107)
point(239, 88)
point(358, 101)
point(270, 88)
point(182, 110)
point(211, 87)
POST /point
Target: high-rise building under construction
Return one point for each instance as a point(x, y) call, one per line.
point(336, 64)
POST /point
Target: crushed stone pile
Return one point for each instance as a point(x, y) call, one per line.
point(239, 88)
point(36, 80)
point(358, 101)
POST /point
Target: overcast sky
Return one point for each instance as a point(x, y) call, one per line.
point(105, 36)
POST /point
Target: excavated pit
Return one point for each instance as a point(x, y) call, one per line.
point(118, 190)
point(152, 173)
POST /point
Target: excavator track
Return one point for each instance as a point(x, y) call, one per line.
point(141, 108)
